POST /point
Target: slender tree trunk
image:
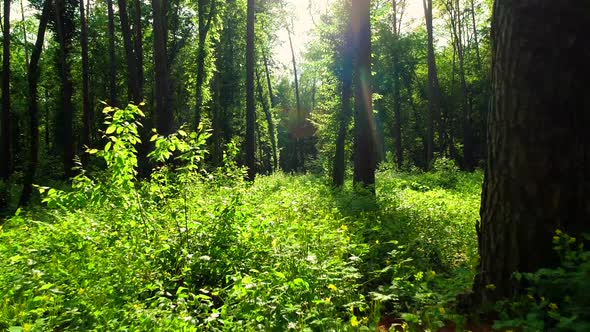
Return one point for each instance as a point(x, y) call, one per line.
point(250, 105)
point(339, 168)
point(134, 93)
point(164, 114)
point(396, 90)
point(112, 58)
point(26, 47)
point(538, 163)
point(138, 45)
point(300, 121)
point(66, 88)
point(365, 149)
point(6, 164)
point(86, 110)
point(475, 40)
point(33, 79)
point(268, 82)
point(433, 85)
point(269, 121)
point(204, 27)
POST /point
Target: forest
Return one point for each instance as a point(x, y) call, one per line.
point(304, 165)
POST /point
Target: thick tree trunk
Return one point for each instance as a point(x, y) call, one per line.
point(6, 156)
point(365, 149)
point(164, 116)
point(538, 170)
point(250, 105)
point(112, 59)
point(86, 110)
point(67, 132)
point(33, 79)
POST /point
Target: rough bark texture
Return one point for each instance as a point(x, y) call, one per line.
point(6, 162)
point(250, 104)
point(33, 80)
point(538, 169)
point(364, 127)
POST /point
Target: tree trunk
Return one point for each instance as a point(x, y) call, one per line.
point(6, 164)
point(138, 48)
point(396, 90)
point(133, 93)
point(339, 168)
point(33, 79)
point(112, 58)
point(86, 110)
point(475, 40)
point(538, 167)
point(299, 159)
point(66, 130)
point(268, 82)
point(365, 149)
point(269, 121)
point(250, 105)
point(204, 26)
point(164, 114)
point(433, 86)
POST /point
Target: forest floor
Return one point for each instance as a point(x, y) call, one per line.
point(284, 253)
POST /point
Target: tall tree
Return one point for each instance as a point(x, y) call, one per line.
point(339, 168)
point(250, 103)
point(299, 117)
point(112, 58)
point(365, 149)
point(33, 80)
point(164, 116)
point(398, 8)
point(133, 83)
point(86, 110)
point(433, 85)
point(138, 45)
point(64, 27)
point(203, 30)
point(6, 164)
point(269, 122)
point(538, 163)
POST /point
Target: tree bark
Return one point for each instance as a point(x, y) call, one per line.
point(268, 82)
point(86, 110)
point(164, 114)
point(396, 89)
point(269, 121)
point(6, 164)
point(250, 104)
point(204, 27)
point(138, 45)
point(538, 169)
point(433, 85)
point(134, 92)
point(299, 156)
point(64, 39)
point(33, 80)
point(365, 150)
point(112, 58)
point(339, 168)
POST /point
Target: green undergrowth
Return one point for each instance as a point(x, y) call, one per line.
point(196, 249)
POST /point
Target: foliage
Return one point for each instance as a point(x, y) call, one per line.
point(189, 249)
point(556, 299)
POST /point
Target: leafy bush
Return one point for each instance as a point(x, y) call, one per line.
point(557, 299)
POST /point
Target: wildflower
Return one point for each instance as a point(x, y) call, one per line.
point(354, 321)
point(332, 287)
